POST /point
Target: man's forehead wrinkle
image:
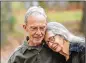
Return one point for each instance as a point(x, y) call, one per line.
point(34, 19)
point(38, 25)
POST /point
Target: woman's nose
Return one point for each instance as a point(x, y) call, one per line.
point(59, 41)
point(50, 44)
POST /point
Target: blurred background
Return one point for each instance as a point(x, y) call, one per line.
point(70, 14)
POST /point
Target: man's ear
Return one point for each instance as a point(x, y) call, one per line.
point(25, 28)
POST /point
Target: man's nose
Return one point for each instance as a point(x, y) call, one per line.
point(38, 32)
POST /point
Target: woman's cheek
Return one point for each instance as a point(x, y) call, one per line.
point(60, 43)
point(50, 45)
point(58, 49)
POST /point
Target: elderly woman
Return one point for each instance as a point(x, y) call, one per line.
point(60, 40)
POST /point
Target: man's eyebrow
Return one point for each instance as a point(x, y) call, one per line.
point(43, 26)
point(33, 27)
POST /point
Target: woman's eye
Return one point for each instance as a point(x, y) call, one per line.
point(52, 38)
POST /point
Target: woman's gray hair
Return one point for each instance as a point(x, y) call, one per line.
point(35, 10)
point(58, 28)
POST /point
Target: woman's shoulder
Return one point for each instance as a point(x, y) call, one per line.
point(77, 46)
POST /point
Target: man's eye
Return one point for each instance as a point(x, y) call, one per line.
point(42, 28)
point(33, 28)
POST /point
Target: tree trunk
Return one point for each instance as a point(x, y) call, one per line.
point(83, 26)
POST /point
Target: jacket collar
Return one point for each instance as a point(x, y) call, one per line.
point(27, 47)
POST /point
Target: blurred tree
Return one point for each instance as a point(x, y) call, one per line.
point(54, 5)
point(63, 4)
point(31, 3)
point(5, 14)
point(43, 4)
point(83, 25)
point(11, 20)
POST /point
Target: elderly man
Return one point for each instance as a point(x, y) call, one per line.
point(33, 50)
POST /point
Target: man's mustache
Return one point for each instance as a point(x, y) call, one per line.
point(38, 36)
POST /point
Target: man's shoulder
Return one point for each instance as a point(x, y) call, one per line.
point(15, 53)
point(19, 49)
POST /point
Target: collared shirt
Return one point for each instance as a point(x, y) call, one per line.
point(42, 54)
point(35, 54)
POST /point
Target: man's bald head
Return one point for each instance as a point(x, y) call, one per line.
point(35, 11)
